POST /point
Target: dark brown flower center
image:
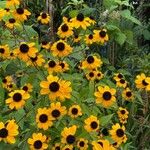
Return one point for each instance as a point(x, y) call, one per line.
point(51, 64)
point(128, 94)
point(102, 34)
point(122, 81)
point(54, 86)
point(98, 74)
point(100, 143)
point(44, 15)
point(90, 36)
point(44, 42)
point(74, 111)
point(107, 96)
point(64, 28)
point(94, 125)
point(120, 76)
point(24, 48)
point(120, 133)
point(17, 97)
point(7, 9)
point(80, 17)
point(144, 82)
point(62, 65)
point(57, 148)
point(37, 144)
point(2, 50)
point(81, 143)
point(20, 11)
point(4, 80)
point(12, 20)
point(91, 74)
point(56, 113)
point(70, 139)
point(105, 132)
point(60, 46)
point(3, 133)
point(90, 59)
point(25, 88)
point(43, 118)
point(123, 112)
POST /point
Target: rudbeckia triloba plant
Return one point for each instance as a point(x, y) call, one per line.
point(61, 94)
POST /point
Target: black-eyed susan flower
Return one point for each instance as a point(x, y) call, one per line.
point(25, 51)
point(56, 88)
point(46, 45)
point(142, 82)
point(17, 99)
point(105, 96)
point(7, 11)
point(77, 38)
point(65, 31)
point(82, 144)
point(21, 14)
point(37, 60)
point(12, 55)
point(89, 39)
point(91, 75)
point(44, 18)
point(91, 20)
point(53, 66)
point(118, 133)
point(61, 48)
point(118, 76)
point(99, 75)
point(12, 23)
point(64, 66)
point(121, 83)
point(4, 51)
point(127, 94)
point(68, 135)
point(56, 110)
point(80, 21)
point(101, 36)
point(75, 111)
point(38, 141)
point(68, 147)
point(91, 124)
point(2, 13)
point(91, 62)
point(102, 145)
point(57, 146)
point(43, 119)
point(8, 131)
point(10, 3)
point(27, 87)
point(122, 113)
point(7, 81)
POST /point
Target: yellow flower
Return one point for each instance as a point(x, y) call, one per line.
point(43, 119)
point(53, 66)
point(80, 21)
point(127, 94)
point(91, 75)
point(38, 141)
point(122, 113)
point(91, 62)
point(67, 147)
point(44, 18)
point(37, 60)
point(118, 76)
point(64, 66)
point(8, 131)
point(101, 36)
point(57, 146)
point(82, 144)
point(118, 133)
point(10, 3)
point(77, 38)
point(105, 96)
point(65, 31)
point(121, 83)
point(27, 87)
point(68, 135)
point(12, 23)
point(91, 123)
point(61, 49)
point(2, 13)
point(102, 145)
point(7, 81)
point(25, 51)
point(17, 99)
point(75, 111)
point(21, 14)
point(89, 39)
point(56, 110)
point(99, 75)
point(4, 51)
point(45, 45)
point(56, 88)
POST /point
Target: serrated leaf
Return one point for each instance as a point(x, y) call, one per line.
point(106, 119)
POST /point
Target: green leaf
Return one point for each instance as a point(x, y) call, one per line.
point(73, 13)
point(146, 34)
point(2, 4)
point(120, 38)
point(129, 35)
point(106, 119)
